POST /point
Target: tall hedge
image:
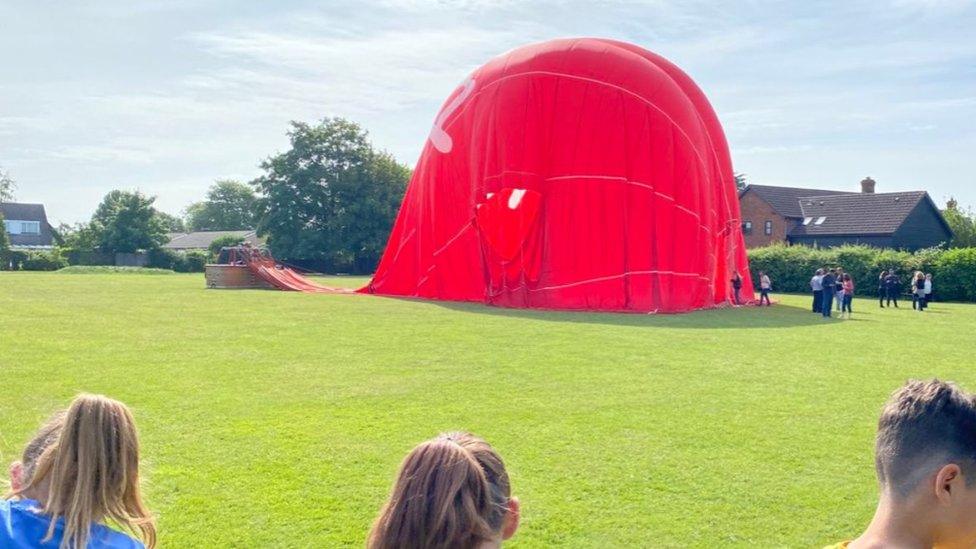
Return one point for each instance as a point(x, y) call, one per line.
point(791, 267)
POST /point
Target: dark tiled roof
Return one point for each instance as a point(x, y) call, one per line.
point(15, 211)
point(857, 214)
point(23, 212)
point(201, 240)
point(786, 200)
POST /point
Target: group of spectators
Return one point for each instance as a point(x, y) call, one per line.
point(889, 289)
point(834, 286)
point(77, 485)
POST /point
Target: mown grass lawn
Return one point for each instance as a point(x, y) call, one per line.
point(274, 419)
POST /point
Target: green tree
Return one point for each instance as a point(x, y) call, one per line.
point(4, 244)
point(230, 206)
point(127, 222)
point(171, 223)
point(740, 181)
point(331, 198)
point(80, 236)
point(963, 224)
point(7, 186)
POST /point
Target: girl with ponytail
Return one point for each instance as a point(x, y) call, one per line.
point(451, 492)
point(86, 477)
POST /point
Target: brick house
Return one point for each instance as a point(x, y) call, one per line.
point(818, 217)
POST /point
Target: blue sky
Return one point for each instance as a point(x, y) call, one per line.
point(166, 96)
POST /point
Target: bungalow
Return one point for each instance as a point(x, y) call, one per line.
point(27, 226)
point(816, 217)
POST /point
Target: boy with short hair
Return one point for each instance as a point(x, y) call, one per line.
point(925, 457)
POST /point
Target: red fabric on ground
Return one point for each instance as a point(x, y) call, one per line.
point(630, 201)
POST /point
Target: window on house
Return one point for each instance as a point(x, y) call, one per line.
point(30, 227)
point(9, 227)
point(807, 220)
point(768, 229)
point(747, 227)
point(820, 220)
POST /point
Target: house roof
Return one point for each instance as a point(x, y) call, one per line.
point(23, 212)
point(17, 211)
point(785, 201)
point(201, 240)
point(858, 213)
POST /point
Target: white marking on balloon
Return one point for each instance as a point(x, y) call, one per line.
point(515, 198)
point(438, 136)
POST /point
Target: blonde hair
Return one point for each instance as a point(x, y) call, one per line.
point(93, 473)
point(451, 492)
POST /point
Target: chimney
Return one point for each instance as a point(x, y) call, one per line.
point(867, 185)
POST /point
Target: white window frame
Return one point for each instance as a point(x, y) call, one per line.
point(820, 220)
point(32, 228)
point(807, 220)
point(768, 227)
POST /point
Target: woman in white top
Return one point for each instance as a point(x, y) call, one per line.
point(764, 287)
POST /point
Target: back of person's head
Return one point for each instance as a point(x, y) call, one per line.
point(451, 492)
point(924, 426)
point(21, 472)
point(91, 472)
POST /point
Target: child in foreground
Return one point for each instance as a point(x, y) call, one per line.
point(79, 471)
point(451, 492)
point(925, 457)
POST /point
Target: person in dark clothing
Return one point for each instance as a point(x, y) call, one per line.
point(882, 292)
point(828, 282)
point(736, 286)
point(892, 288)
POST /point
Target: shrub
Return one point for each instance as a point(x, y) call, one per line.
point(44, 261)
point(791, 267)
point(103, 269)
point(955, 274)
point(192, 261)
point(163, 259)
point(224, 241)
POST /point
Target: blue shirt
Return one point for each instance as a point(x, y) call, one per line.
point(22, 526)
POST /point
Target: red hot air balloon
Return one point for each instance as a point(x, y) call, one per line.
point(579, 174)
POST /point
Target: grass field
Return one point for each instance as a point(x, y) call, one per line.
point(274, 419)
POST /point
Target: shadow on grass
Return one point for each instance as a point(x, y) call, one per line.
point(748, 317)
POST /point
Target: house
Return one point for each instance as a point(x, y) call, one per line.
point(201, 240)
point(27, 226)
point(818, 217)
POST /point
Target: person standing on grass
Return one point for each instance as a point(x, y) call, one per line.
point(736, 287)
point(765, 285)
point(828, 282)
point(924, 459)
point(882, 291)
point(919, 287)
point(929, 296)
point(848, 295)
point(85, 479)
point(839, 288)
point(816, 284)
point(451, 492)
point(892, 287)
